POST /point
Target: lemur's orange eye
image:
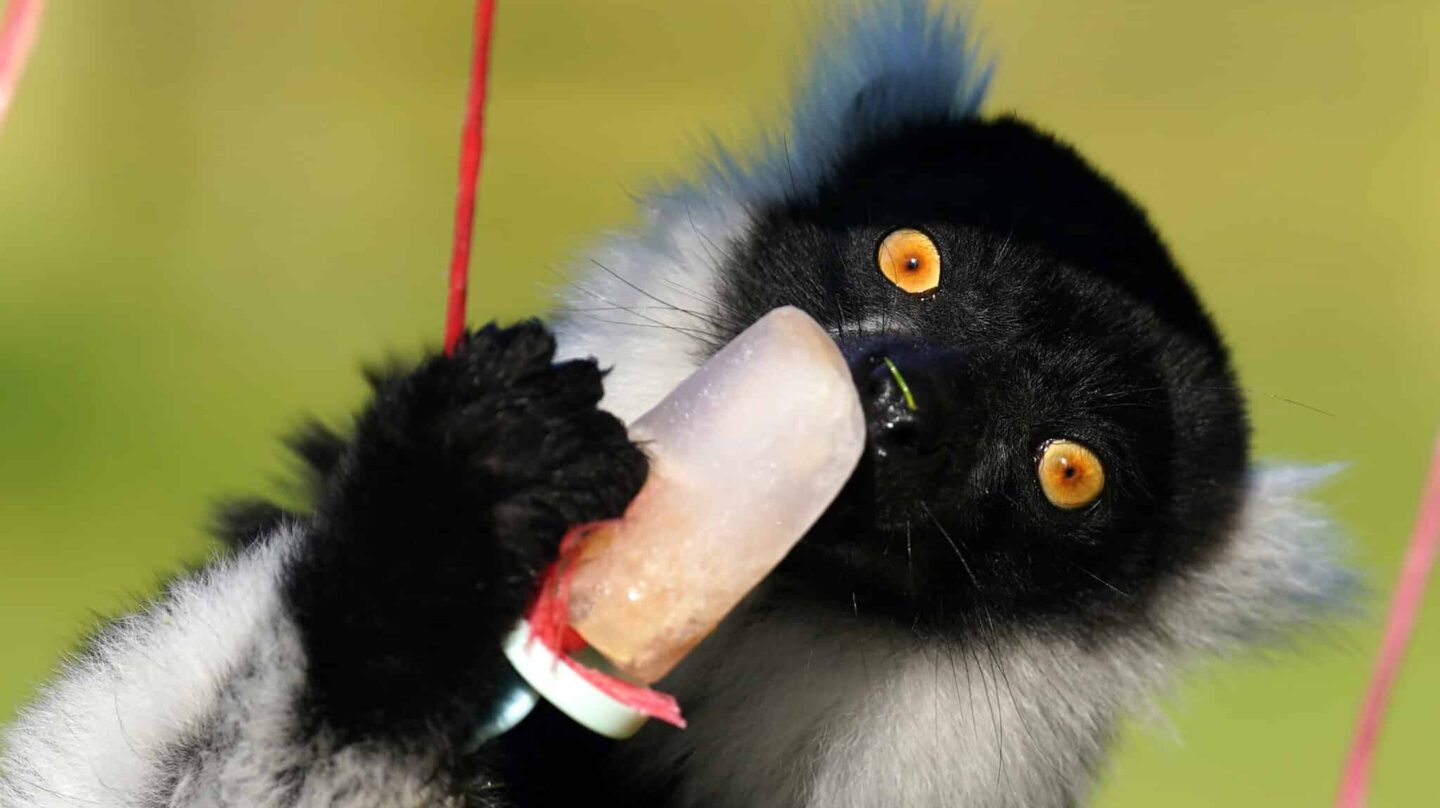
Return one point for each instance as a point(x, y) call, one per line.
point(909, 259)
point(1070, 474)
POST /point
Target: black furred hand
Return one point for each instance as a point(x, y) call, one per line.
point(460, 481)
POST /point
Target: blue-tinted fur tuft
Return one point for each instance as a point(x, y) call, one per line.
point(881, 68)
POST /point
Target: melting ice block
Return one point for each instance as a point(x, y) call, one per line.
point(744, 456)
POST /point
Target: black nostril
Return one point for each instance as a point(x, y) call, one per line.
point(879, 387)
point(904, 434)
point(901, 408)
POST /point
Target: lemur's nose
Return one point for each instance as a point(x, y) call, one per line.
point(902, 391)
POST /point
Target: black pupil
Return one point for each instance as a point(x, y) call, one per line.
point(912, 264)
point(1069, 472)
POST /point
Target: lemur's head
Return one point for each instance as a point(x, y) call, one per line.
point(1057, 486)
point(1053, 422)
point(1057, 470)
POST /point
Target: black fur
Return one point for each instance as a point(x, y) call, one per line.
point(451, 496)
point(242, 521)
point(319, 447)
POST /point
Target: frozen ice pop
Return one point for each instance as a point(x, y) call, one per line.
point(745, 455)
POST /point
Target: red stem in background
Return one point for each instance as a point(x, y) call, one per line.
point(471, 148)
point(1404, 609)
point(17, 35)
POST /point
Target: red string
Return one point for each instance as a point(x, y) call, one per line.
point(549, 619)
point(17, 34)
point(1404, 609)
point(471, 147)
point(549, 615)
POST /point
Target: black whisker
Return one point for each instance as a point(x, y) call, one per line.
point(702, 335)
point(617, 276)
point(953, 545)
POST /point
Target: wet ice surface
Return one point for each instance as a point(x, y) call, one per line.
point(745, 456)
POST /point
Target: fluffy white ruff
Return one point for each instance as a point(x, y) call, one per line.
point(98, 734)
point(644, 302)
point(835, 713)
point(193, 702)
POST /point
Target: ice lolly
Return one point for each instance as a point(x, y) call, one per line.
point(745, 455)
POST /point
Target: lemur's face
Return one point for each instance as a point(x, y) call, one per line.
point(1053, 426)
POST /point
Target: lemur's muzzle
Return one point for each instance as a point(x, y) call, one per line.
point(909, 392)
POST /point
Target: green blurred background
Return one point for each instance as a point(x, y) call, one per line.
point(210, 213)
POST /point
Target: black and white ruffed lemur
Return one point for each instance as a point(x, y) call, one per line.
point(1066, 516)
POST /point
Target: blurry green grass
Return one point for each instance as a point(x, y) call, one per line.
point(211, 213)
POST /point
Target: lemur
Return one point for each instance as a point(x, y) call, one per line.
point(1068, 516)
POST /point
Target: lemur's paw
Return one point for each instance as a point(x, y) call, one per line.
point(495, 444)
point(527, 435)
point(531, 430)
point(449, 500)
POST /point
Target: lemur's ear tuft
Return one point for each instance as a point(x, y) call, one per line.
point(239, 523)
point(385, 371)
point(876, 70)
point(317, 446)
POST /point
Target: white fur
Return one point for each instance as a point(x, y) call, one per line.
point(830, 712)
point(97, 736)
point(193, 702)
point(631, 303)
